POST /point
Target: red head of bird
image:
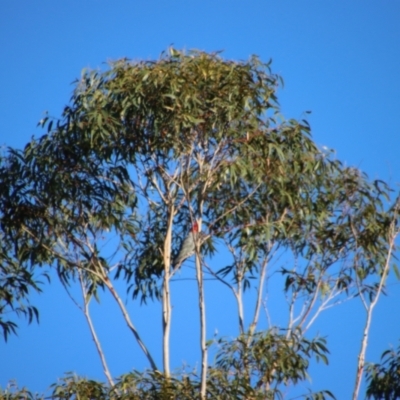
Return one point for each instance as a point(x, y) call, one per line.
point(195, 227)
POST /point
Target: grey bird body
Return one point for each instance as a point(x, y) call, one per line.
point(188, 246)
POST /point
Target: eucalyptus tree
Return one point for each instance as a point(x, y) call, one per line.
point(148, 150)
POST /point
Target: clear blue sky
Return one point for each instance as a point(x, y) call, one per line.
point(340, 59)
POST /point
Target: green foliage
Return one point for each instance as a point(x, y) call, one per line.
point(153, 385)
point(18, 259)
point(384, 379)
point(12, 392)
point(72, 387)
point(274, 356)
point(145, 148)
point(259, 364)
point(135, 134)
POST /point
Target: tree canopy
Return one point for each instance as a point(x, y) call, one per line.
point(142, 152)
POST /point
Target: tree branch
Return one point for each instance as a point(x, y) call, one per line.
point(393, 232)
point(93, 331)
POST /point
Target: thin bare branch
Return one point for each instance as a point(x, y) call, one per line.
point(260, 290)
point(106, 281)
point(393, 232)
point(128, 321)
point(86, 300)
point(202, 309)
point(166, 299)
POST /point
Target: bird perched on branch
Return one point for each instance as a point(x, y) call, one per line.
point(188, 245)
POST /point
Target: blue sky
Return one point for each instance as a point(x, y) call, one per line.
point(339, 59)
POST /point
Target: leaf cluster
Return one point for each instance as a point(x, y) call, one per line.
point(384, 379)
point(265, 361)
